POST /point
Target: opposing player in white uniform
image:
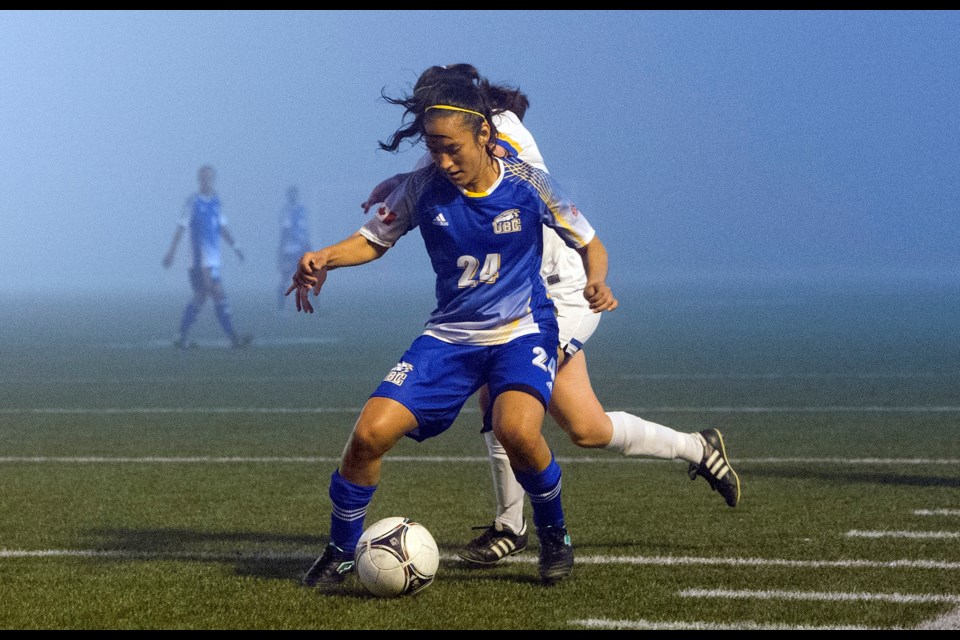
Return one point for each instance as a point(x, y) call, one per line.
point(207, 225)
point(574, 405)
point(294, 240)
point(481, 218)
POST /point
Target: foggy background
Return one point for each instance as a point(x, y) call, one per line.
point(796, 147)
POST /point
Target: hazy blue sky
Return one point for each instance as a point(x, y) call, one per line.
point(699, 144)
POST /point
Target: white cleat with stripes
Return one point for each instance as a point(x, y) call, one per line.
point(715, 467)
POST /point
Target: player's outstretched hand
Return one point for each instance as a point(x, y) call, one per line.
point(309, 276)
point(600, 297)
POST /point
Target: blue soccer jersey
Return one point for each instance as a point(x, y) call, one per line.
point(203, 218)
point(485, 248)
point(294, 229)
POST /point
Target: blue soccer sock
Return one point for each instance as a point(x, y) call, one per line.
point(544, 491)
point(190, 314)
point(225, 316)
point(350, 503)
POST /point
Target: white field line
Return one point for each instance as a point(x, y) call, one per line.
point(784, 376)
point(442, 460)
point(647, 625)
point(917, 535)
point(822, 596)
point(950, 620)
point(637, 410)
point(936, 512)
point(935, 565)
point(626, 376)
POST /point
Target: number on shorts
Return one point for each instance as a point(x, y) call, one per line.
point(542, 360)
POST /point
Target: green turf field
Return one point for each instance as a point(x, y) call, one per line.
point(147, 488)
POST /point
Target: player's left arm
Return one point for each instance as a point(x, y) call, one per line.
point(562, 215)
point(595, 263)
point(228, 237)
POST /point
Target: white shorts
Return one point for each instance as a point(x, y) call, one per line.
point(577, 322)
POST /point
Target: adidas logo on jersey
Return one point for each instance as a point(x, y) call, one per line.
point(440, 221)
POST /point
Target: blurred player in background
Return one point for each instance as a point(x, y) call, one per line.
point(294, 241)
point(207, 225)
point(573, 405)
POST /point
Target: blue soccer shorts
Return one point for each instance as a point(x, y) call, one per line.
point(434, 378)
point(197, 280)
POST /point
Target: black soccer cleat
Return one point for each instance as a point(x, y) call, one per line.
point(182, 343)
point(556, 554)
point(330, 568)
point(493, 545)
point(715, 467)
point(241, 342)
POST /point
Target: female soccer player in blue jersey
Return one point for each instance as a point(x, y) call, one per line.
point(202, 215)
point(294, 240)
point(481, 219)
point(573, 404)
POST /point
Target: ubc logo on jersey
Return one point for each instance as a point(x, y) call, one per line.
point(399, 373)
point(440, 221)
point(507, 222)
point(385, 215)
point(574, 210)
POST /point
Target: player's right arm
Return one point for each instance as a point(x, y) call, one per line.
point(168, 258)
point(312, 270)
point(184, 220)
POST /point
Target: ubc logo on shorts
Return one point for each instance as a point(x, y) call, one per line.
point(507, 222)
point(399, 373)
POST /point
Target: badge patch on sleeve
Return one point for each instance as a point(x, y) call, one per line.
point(385, 215)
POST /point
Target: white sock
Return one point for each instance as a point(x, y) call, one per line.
point(633, 436)
point(509, 492)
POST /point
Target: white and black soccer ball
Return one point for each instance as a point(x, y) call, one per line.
point(396, 557)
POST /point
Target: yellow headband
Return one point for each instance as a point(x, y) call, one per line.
point(452, 108)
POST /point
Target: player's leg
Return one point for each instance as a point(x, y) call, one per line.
point(224, 311)
point(199, 287)
point(420, 398)
point(577, 410)
point(508, 533)
point(575, 407)
point(381, 424)
point(521, 380)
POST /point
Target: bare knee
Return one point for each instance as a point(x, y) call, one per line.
point(517, 437)
point(369, 440)
point(587, 432)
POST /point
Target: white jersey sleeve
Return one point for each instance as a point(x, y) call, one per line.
point(396, 216)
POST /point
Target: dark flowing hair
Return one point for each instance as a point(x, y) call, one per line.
point(457, 85)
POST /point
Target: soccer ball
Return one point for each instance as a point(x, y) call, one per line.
point(396, 557)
